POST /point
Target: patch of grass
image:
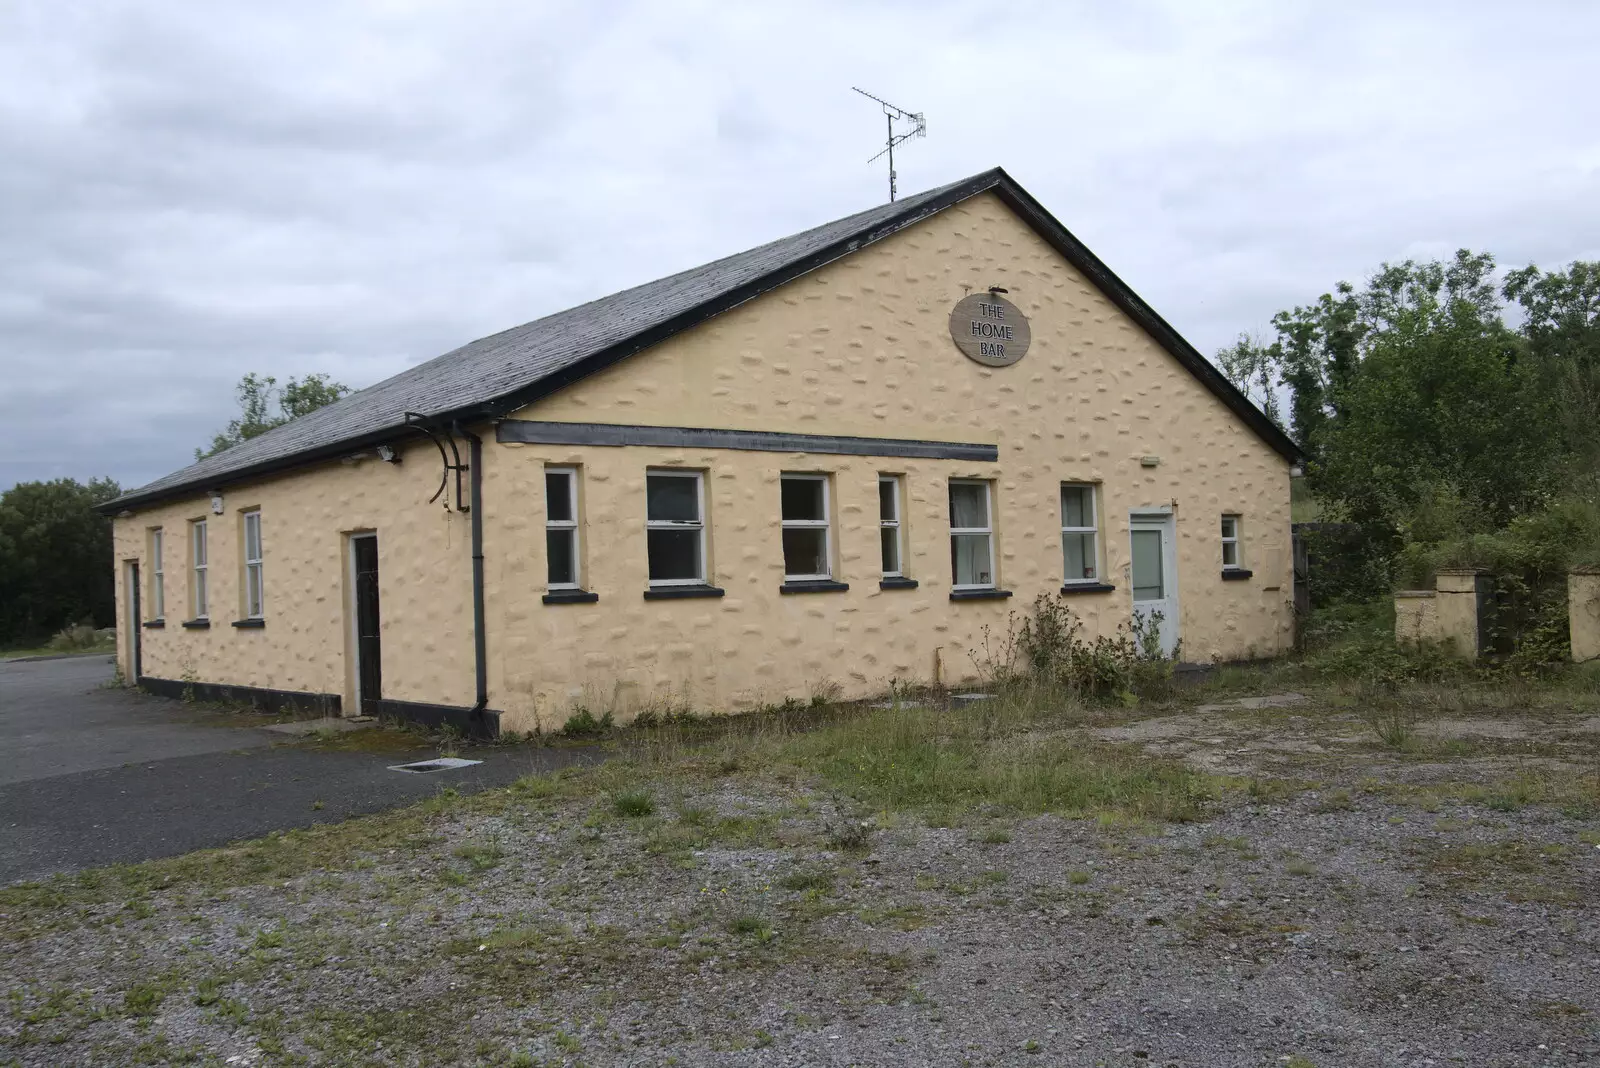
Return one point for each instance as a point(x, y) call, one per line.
point(920, 759)
point(583, 724)
point(1335, 801)
point(850, 835)
point(269, 938)
point(752, 927)
point(481, 856)
point(900, 917)
point(387, 738)
point(1078, 878)
point(142, 999)
point(808, 879)
point(633, 804)
point(995, 836)
point(1394, 722)
point(1483, 861)
point(1299, 866)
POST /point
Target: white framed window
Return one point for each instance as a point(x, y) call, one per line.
point(889, 497)
point(971, 535)
point(561, 528)
point(1080, 534)
point(254, 591)
point(1230, 543)
point(158, 575)
point(807, 534)
point(675, 528)
point(197, 562)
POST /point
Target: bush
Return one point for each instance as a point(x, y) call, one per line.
point(77, 636)
point(1053, 652)
point(1528, 562)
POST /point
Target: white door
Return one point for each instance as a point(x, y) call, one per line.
point(1154, 575)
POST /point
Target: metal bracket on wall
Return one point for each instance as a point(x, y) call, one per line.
point(450, 460)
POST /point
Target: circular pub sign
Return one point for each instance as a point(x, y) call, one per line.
point(990, 329)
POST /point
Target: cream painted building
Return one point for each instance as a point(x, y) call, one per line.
point(821, 465)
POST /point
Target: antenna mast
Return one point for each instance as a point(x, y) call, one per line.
point(919, 128)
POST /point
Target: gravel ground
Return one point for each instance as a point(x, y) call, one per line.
point(1342, 904)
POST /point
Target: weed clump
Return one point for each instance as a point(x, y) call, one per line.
point(583, 724)
point(633, 804)
point(1047, 648)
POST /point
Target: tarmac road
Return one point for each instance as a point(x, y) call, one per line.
point(91, 775)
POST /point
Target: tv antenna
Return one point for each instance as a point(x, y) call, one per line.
point(919, 128)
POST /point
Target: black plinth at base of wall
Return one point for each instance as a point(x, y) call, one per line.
point(485, 725)
point(298, 702)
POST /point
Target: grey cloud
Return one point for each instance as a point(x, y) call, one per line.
point(188, 194)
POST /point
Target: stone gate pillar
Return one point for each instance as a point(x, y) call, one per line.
point(1463, 594)
point(1583, 612)
point(1416, 618)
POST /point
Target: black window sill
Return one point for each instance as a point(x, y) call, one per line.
point(571, 597)
point(673, 593)
point(979, 595)
point(154, 624)
point(814, 586)
point(1235, 574)
point(250, 624)
point(898, 582)
point(197, 624)
point(1087, 587)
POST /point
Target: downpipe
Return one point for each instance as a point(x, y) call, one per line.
point(480, 649)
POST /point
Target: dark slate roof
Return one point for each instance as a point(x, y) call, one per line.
point(496, 375)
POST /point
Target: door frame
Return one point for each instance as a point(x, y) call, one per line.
point(135, 624)
point(353, 612)
point(1161, 518)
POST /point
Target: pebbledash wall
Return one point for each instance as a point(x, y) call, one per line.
point(858, 348)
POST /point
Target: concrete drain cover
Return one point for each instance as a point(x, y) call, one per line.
point(423, 767)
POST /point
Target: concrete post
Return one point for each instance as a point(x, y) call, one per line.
point(1463, 594)
point(1583, 612)
point(1416, 618)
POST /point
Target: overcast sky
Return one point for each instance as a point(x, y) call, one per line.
point(192, 191)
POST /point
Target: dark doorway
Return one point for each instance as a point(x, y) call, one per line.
point(369, 650)
point(135, 624)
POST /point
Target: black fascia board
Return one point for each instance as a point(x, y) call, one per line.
point(400, 434)
point(1122, 295)
point(724, 302)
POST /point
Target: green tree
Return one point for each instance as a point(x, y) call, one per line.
point(263, 406)
point(1438, 398)
point(1561, 326)
point(55, 557)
